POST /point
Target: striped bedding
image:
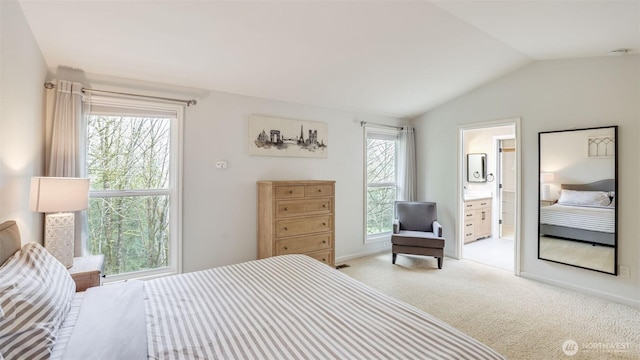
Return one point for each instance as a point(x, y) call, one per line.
point(36, 292)
point(600, 219)
point(66, 329)
point(291, 307)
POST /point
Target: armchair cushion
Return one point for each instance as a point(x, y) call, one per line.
point(417, 239)
point(416, 216)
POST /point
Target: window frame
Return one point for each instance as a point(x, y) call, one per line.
point(386, 134)
point(174, 191)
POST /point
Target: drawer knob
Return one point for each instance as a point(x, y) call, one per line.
point(324, 241)
point(324, 205)
point(286, 228)
point(290, 191)
point(324, 223)
point(319, 190)
point(286, 248)
point(286, 209)
point(324, 260)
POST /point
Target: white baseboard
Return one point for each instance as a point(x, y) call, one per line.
point(345, 258)
point(564, 285)
point(451, 255)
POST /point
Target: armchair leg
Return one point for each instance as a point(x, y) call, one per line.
point(393, 258)
point(439, 263)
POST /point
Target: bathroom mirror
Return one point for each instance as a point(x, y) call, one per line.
point(476, 167)
point(578, 195)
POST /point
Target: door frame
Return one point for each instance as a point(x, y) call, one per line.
point(497, 214)
point(460, 188)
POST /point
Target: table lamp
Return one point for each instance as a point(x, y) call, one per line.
point(545, 180)
point(59, 197)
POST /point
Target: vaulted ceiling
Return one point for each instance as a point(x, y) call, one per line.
point(397, 58)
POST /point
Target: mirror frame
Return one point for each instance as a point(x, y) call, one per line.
point(482, 157)
point(582, 186)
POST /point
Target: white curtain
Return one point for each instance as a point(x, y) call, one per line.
point(67, 151)
point(66, 132)
point(407, 188)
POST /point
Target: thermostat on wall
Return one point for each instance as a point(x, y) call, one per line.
point(221, 164)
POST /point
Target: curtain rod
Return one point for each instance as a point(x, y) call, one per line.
point(363, 123)
point(50, 85)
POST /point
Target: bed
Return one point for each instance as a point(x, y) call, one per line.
point(284, 307)
point(584, 212)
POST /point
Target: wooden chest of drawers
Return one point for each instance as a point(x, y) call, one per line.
point(296, 217)
point(477, 219)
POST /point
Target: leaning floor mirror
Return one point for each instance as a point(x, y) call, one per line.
point(578, 194)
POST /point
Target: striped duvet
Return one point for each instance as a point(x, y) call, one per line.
point(291, 307)
point(600, 219)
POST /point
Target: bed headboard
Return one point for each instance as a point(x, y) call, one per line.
point(9, 240)
point(602, 185)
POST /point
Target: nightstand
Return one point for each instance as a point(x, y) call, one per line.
point(547, 202)
point(87, 271)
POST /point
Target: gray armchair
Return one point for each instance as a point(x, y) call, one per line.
point(417, 231)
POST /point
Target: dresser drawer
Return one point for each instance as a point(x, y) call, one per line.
point(477, 204)
point(324, 256)
point(469, 215)
point(469, 231)
point(303, 226)
point(288, 192)
point(286, 208)
point(318, 190)
point(304, 244)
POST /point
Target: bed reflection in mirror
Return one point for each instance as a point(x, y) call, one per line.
point(578, 196)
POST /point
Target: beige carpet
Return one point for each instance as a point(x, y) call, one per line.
point(518, 317)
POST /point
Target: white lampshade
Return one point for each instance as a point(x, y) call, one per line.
point(58, 194)
point(61, 196)
point(546, 178)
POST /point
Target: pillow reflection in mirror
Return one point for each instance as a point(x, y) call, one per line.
point(584, 198)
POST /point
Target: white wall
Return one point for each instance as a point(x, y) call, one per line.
point(220, 205)
point(547, 95)
point(22, 74)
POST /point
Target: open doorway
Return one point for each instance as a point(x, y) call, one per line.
point(489, 202)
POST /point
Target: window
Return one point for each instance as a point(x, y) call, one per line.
point(381, 182)
point(133, 151)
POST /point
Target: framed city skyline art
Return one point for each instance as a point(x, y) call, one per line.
point(272, 136)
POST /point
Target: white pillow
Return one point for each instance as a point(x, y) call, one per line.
point(35, 296)
point(584, 198)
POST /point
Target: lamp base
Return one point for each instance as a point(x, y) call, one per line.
point(546, 192)
point(59, 236)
